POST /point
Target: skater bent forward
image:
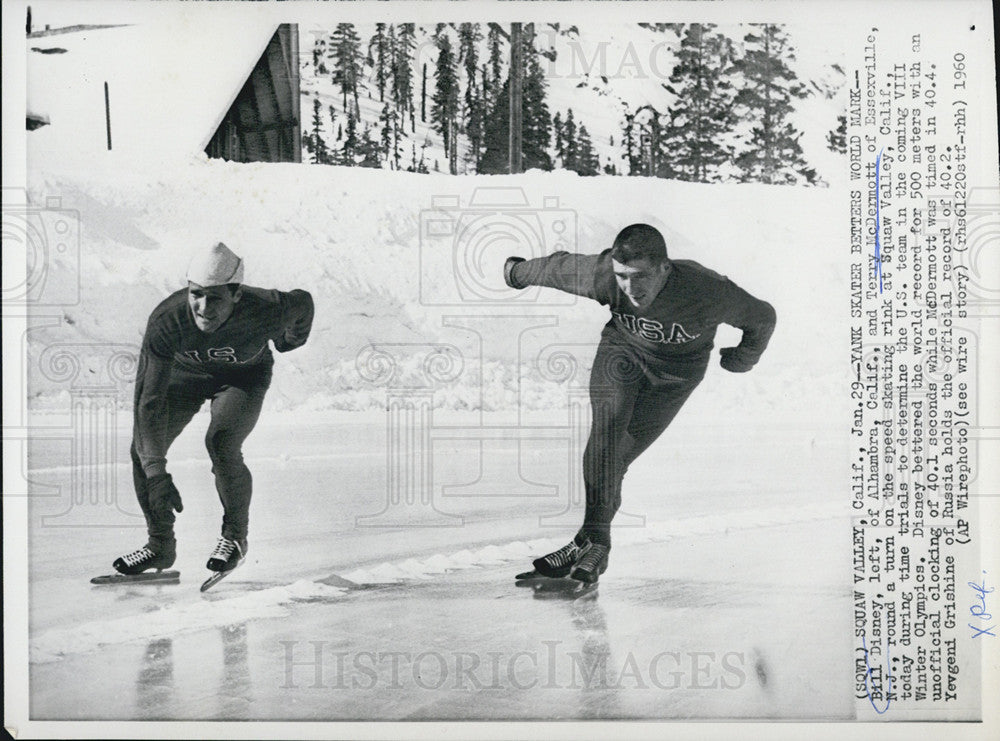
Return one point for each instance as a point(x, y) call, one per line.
point(653, 353)
point(206, 342)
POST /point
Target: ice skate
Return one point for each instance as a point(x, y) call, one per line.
point(557, 564)
point(592, 564)
point(228, 554)
point(144, 559)
point(135, 567)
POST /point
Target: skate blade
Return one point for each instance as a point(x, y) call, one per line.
point(525, 575)
point(218, 576)
point(531, 575)
point(148, 577)
point(543, 587)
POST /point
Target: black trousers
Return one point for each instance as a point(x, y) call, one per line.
point(629, 411)
point(236, 400)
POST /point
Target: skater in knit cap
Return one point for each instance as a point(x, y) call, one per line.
point(206, 342)
point(653, 353)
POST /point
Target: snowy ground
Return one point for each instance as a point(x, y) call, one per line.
point(709, 610)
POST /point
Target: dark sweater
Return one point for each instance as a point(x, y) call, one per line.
point(671, 337)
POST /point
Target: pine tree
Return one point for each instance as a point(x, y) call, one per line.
point(331, 152)
point(676, 28)
point(557, 130)
point(396, 154)
point(469, 36)
point(633, 158)
point(422, 165)
point(320, 154)
point(468, 56)
point(773, 153)
point(570, 146)
point(389, 136)
point(693, 146)
point(496, 135)
point(380, 54)
point(308, 147)
point(345, 52)
point(444, 112)
point(415, 164)
point(536, 124)
point(368, 150)
point(574, 147)
point(836, 140)
point(350, 146)
point(318, 55)
point(403, 45)
point(587, 162)
point(493, 45)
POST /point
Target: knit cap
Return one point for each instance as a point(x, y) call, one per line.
point(215, 266)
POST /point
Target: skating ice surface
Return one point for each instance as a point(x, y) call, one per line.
point(730, 600)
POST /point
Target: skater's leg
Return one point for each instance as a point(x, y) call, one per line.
point(615, 383)
point(235, 410)
point(634, 415)
point(655, 409)
point(613, 448)
point(185, 396)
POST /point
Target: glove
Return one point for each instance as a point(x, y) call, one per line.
point(508, 268)
point(283, 344)
point(163, 494)
point(732, 360)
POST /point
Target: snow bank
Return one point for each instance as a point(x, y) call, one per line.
point(52, 645)
point(406, 271)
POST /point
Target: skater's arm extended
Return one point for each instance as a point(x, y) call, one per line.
point(565, 271)
point(150, 431)
point(756, 318)
point(296, 318)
